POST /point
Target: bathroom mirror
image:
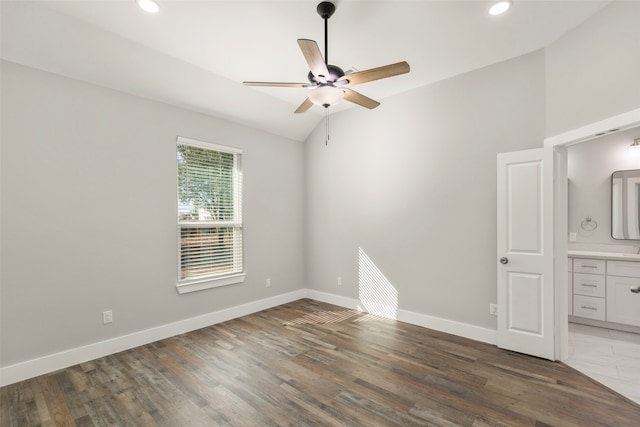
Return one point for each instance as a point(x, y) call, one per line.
point(625, 205)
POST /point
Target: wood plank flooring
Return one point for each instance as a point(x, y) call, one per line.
point(313, 364)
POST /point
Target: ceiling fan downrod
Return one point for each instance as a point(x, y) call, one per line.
point(325, 10)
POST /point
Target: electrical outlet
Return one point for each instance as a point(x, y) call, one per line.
point(573, 236)
point(339, 281)
point(493, 309)
point(107, 317)
point(268, 283)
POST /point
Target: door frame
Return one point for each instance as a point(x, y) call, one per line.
point(559, 144)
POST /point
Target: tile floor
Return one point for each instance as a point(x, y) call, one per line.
point(610, 357)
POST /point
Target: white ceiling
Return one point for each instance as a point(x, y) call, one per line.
point(195, 54)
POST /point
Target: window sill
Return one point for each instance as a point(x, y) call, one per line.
point(185, 288)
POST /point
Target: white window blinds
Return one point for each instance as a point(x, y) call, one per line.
point(209, 210)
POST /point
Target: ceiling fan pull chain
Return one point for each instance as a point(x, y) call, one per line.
point(326, 121)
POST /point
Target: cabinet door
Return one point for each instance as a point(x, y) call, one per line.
point(623, 306)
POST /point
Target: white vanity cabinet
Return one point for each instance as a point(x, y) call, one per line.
point(604, 292)
point(623, 305)
point(589, 288)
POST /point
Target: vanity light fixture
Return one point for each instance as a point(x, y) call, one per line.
point(150, 6)
point(634, 148)
point(500, 7)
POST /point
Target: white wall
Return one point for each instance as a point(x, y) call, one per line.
point(590, 165)
point(89, 213)
point(413, 184)
point(593, 72)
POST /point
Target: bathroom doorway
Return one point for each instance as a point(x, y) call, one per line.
point(583, 207)
point(609, 355)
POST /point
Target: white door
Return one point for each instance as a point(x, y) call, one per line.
point(525, 252)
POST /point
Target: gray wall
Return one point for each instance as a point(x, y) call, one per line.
point(593, 72)
point(89, 213)
point(413, 185)
point(590, 167)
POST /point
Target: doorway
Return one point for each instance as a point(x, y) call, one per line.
point(560, 143)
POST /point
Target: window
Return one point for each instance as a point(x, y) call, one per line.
point(209, 215)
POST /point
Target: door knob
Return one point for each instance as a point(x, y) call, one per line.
point(635, 289)
point(504, 260)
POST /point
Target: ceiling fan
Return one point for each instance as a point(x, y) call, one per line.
point(328, 84)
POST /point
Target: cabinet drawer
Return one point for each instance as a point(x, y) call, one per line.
point(623, 306)
point(623, 268)
point(592, 285)
point(590, 307)
point(590, 266)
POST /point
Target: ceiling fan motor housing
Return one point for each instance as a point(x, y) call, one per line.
point(335, 73)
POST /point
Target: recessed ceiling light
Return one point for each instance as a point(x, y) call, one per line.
point(150, 6)
point(500, 7)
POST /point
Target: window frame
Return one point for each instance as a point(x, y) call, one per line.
point(211, 281)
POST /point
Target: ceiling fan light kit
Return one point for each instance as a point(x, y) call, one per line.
point(326, 96)
point(328, 84)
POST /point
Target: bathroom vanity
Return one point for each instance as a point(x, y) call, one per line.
point(604, 278)
point(604, 287)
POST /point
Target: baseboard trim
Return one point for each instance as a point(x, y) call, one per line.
point(334, 299)
point(605, 325)
point(53, 362)
point(453, 327)
point(50, 363)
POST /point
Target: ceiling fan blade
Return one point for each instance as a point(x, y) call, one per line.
point(376, 73)
point(360, 99)
point(304, 106)
point(276, 84)
point(314, 58)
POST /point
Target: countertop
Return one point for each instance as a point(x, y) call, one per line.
point(604, 251)
point(614, 256)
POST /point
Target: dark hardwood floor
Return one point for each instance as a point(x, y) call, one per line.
point(313, 364)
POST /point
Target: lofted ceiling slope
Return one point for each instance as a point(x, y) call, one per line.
point(195, 54)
